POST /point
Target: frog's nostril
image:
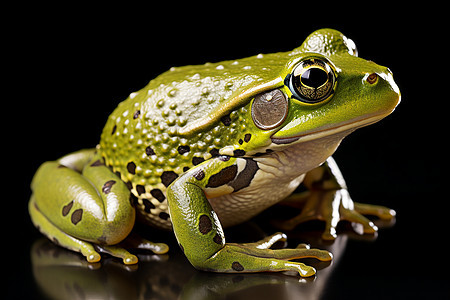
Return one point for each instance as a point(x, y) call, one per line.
point(372, 78)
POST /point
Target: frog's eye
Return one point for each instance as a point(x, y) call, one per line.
point(270, 109)
point(312, 81)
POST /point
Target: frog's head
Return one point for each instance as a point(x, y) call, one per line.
point(317, 90)
point(326, 89)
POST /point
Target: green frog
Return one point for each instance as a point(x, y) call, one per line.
point(210, 146)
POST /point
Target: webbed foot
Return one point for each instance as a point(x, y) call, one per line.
point(258, 257)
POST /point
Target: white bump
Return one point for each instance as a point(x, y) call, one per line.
point(205, 90)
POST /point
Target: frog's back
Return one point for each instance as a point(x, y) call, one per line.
point(180, 119)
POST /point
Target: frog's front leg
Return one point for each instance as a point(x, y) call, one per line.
point(80, 204)
point(328, 200)
point(199, 232)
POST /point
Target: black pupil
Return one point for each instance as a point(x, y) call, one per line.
point(314, 77)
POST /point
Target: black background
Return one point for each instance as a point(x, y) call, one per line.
point(69, 67)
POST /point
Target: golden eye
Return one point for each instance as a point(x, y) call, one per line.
point(312, 81)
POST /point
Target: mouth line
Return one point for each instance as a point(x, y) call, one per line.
point(350, 125)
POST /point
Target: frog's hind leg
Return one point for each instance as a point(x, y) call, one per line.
point(59, 237)
point(329, 200)
point(79, 203)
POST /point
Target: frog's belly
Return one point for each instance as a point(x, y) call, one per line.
point(239, 207)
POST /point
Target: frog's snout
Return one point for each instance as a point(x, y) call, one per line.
point(383, 81)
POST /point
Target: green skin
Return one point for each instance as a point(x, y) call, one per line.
point(197, 149)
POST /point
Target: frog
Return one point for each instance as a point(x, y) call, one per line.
point(206, 147)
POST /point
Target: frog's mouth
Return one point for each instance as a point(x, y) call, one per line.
point(328, 130)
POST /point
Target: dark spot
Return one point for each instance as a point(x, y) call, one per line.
point(131, 167)
point(258, 154)
point(164, 215)
point(114, 129)
point(245, 177)
point(225, 175)
point(136, 114)
point(133, 200)
point(149, 151)
point(197, 160)
point(204, 224)
point(76, 216)
point(240, 141)
point(237, 266)
point(129, 185)
point(97, 163)
point(147, 205)
point(107, 186)
point(140, 189)
point(199, 174)
point(226, 120)
point(158, 195)
point(218, 239)
point(247, 137)
point(185, 169)
point(61, 167)
point(214, 152)
point(239, 152)
point(66, 209)
point(183, 149)
point(268, 151)
point(168, 177)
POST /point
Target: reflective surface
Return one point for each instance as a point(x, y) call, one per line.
point(63, 274)
point(361, 265)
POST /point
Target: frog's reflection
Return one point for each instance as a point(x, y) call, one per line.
point(62, 274)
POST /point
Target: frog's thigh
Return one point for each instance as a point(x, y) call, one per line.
point(93, 206)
